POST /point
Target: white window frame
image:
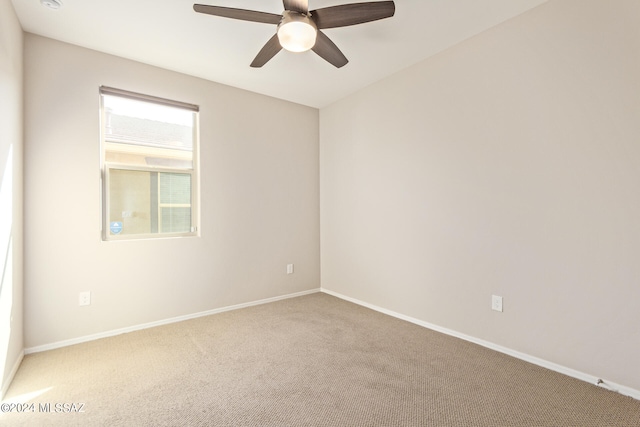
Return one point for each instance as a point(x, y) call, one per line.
point(107, 167)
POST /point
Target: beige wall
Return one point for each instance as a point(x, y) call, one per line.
point(508, 165)
point(259, 201)
point(11, 149)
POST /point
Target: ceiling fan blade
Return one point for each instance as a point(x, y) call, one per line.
point(352, 14)
point(267, 52)
point(242, 14)
point(328, 51)
point(301, 6)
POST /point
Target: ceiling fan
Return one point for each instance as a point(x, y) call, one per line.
point(299, 28)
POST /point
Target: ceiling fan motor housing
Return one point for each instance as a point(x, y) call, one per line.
point(296, 31)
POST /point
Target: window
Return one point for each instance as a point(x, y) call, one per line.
point(148, 162)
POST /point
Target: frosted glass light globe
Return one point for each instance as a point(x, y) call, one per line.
point(297, 32)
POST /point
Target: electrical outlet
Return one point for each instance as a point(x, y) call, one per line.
point(289, 268)
point(496, 303)
point(84, 298)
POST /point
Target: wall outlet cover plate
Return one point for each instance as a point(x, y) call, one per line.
point(496, 303)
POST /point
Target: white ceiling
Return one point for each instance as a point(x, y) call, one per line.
point(169, 34)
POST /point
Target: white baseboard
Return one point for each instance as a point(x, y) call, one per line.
point(627, 391)
point(114, 332)
point(12, 374)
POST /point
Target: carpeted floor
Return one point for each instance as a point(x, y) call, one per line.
point(309, 361)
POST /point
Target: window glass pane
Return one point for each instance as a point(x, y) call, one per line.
point(175, 220)
point(144, 202)
point(144, 123)
point(129, 202)
point(143, 133)
point(175, 188)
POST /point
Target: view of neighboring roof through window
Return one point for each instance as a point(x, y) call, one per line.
point(148, 163)
point(152, 127)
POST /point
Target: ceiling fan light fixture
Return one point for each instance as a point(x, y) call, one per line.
point(297, 32)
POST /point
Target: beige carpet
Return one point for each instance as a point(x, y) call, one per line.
point(308, 361)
